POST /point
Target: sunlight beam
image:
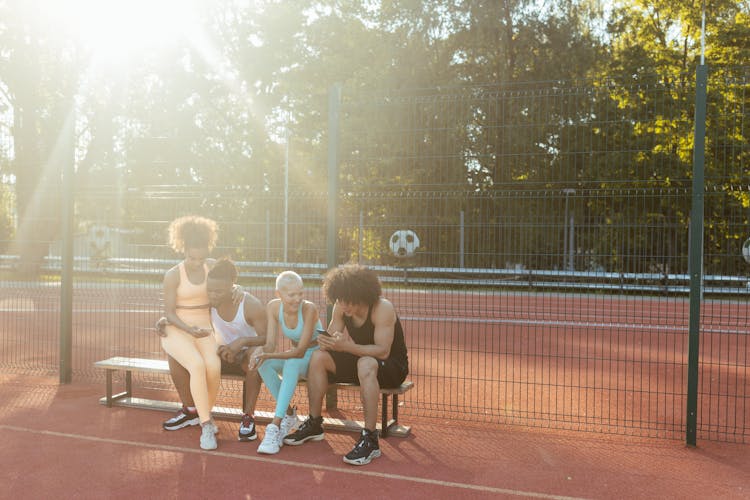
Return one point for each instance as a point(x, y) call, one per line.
point(115, 31)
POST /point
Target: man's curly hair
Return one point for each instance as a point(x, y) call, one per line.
point(352, 283)
point(224, 269)
point(193, 231)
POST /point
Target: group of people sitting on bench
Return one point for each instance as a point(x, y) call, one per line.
point(212, 326)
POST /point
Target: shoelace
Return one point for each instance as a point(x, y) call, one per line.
point(307, 423)
point(246, 421)
point(272, 432)
point(363, 441)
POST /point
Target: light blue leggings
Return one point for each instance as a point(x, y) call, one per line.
point(291, 370)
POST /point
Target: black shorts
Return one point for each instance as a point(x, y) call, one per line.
point(390, 374)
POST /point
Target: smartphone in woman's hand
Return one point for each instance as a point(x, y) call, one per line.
point(323, 332)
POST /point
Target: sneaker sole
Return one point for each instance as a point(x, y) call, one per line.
point(245, 439)
point(209, 446)
point(187, 423)
point(364, 460)
point(290, 442)
point(267, 452)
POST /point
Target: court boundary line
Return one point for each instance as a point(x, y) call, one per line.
point(344, 470)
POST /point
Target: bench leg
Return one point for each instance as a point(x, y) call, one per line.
point(387, 423)
point(394, 412)
point(244, 394)
point(109, 388)
point(110, 397)
point(384, 417)
point(331, 398)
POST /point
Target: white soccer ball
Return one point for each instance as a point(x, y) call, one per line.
point(746, 250)
point(404, 243)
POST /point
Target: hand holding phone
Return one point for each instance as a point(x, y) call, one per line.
point(199, 332)
point(323, 332)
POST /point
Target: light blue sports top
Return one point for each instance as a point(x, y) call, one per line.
point(295, 334)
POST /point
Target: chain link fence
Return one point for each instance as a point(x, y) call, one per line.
point(534, 239)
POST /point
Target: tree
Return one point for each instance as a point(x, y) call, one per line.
point(39, 89)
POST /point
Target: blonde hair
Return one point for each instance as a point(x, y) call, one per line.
point(288, 278)
point(193, 231)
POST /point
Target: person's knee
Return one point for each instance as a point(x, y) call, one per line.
point(213, 364)
point(367, 368)
point(252, 376)
point(176, 370)
point(319, 362)
point(265, 370)
point(194, 365)
point(293, 367)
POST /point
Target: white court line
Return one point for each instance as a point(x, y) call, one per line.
point(343, 470)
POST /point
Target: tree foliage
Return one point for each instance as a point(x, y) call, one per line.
point(486, 97)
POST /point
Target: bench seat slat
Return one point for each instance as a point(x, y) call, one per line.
point(162, 366)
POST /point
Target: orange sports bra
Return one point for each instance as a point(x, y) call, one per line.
point(190, 295)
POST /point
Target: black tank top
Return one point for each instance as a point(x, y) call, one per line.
point(365, 334)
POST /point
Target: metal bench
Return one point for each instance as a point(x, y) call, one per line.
point(388, 426)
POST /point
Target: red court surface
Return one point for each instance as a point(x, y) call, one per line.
point(59, 442)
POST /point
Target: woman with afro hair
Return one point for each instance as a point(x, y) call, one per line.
point(188, 338)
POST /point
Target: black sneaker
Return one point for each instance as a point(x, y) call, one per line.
point(183, 418)
point(247, 429)
point(310, 430)
point(365, 450)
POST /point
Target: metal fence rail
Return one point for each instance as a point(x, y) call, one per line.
point(405, 273)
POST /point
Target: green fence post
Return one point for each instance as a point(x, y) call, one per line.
point(67, 164)
point(696, 252)
point(334, 108)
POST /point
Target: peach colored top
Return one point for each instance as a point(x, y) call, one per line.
point(192, 300)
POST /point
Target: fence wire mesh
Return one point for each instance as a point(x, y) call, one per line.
point(550, 283)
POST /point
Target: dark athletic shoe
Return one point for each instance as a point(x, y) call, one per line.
point(310, 430)
point(183, 418)
point(365, 450)
point(247, 429)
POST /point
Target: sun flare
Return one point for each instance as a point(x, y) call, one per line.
point(114, 30)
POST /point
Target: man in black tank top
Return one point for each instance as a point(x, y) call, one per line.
point(365, 345)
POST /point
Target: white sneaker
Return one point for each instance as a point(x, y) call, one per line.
point(288, 424)
point(271, 440)
point(208, 436)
